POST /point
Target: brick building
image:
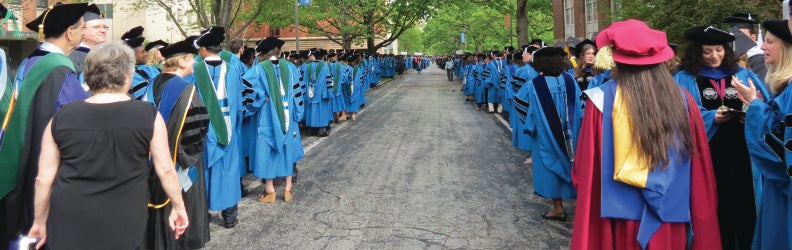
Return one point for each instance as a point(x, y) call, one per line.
point(581, 18)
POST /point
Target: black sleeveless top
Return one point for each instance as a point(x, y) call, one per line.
point(101, 188)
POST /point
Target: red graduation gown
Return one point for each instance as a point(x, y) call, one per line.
point(591, 231)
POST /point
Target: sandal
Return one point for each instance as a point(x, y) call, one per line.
point(269, 198)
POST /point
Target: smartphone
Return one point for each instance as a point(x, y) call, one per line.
point(27, 243)
point(734, 111)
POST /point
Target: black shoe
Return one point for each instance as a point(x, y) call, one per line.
point(560, 217)
point(231, 224)
point(323, 132)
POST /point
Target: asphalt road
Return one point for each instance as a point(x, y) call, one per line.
point(419, 169)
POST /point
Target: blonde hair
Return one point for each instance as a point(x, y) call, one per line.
point(176, 62)
point(778, 75)
point(154, 56)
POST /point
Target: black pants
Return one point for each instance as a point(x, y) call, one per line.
point(450, 73)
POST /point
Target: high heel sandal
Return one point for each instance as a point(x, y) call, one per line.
point(287, 195)
point(269, 198)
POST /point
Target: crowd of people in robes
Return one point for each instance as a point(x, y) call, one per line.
point(661, 149)
point(85, 160)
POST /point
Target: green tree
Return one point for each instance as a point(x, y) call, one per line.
point(234, 15)
point(411, 40)
point(676, 16)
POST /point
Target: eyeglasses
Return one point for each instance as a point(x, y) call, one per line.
point(98, 27)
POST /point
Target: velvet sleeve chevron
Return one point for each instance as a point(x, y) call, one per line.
point(517, 83)
point(196, 125)
point(521, 106)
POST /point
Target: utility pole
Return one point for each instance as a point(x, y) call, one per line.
point(297, 25)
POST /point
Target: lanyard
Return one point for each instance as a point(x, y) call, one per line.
point(720, 88)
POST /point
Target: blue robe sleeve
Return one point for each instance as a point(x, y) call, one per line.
point(761, 121)
point(688, 82)
point(298, 111)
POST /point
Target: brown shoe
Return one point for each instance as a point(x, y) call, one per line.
point(287, 196)
point(269, 198)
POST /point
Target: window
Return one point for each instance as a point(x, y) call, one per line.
point(569, 18)
point(274, 32)
point(592, 17)
point(106, 10)
point(615, 6)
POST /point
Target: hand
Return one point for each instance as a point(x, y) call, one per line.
point(39, 230)
point(722, 116)
point(746, 93)
point(178, 221)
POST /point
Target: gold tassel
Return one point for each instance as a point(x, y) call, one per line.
point(41, 25)
point(604, 58)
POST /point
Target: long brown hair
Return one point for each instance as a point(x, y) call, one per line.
point(657, 106)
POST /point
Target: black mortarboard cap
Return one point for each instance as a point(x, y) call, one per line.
point(742, 18)
point(331, 55)
point(509, 57)
point(527, 48)
point(509, 49)
point(549, 51)
point(579, 46)
point(319, 53)
point(708, 35)
point(353, 56)
point(92, 13)
point(537, 42)
point(212, 36)
point(179, 48)
point(156, 43)
point(517, 56)
point(134, 37)
point(779, 29)
point(267, 44)
point(742, 43)
point(57, 19)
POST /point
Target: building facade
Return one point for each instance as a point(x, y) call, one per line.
point(581, 18)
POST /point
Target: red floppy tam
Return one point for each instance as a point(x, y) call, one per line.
point(633, 42)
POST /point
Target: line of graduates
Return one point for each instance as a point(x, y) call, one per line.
point(225, 118)
point(725, 186)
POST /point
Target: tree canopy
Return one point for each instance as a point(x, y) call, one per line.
point(676, 16)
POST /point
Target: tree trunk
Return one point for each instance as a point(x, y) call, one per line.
point(522, 23)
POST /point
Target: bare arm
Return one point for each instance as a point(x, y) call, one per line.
point(163, 165)
point(49, 161)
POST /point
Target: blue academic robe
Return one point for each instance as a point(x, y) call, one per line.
point(552, 168)
point(765, 135)
point(141, 80)
point(357, 97)
point(505, 88)
point(468, 80)
point(224, 168)
point(478, 85)
point(276, 151)
point(688, 81)
point(318, 110)
point(521, 79)
point(340, 78)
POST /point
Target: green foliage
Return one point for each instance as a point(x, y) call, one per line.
point(676, 16)
point(483, 24)
point(411, 41)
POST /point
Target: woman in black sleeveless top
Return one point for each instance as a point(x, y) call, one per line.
point(91, 190)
